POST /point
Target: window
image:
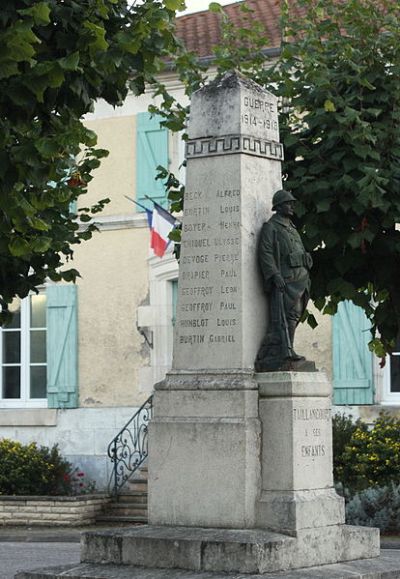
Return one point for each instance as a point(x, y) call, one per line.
point(391, 389)
point(23, 354)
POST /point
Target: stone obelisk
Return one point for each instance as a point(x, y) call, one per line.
point(206, 429)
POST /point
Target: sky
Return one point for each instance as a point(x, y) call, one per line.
point(197, 5)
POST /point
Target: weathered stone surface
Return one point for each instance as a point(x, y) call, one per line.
point(387, 566)
point(297, 484)
point(244, 551)
point(290, 511)
point(199, 440)
point(234, 168)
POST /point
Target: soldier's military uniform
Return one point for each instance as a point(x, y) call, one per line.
point(281, 253)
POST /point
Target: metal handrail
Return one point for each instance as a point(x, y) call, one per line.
point(129, 448)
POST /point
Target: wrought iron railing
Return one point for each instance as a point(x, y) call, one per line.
point(129, 448)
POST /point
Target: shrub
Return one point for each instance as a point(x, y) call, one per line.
point(376, 507)
point(343, 429)
point(35, 470)
point(367, 457)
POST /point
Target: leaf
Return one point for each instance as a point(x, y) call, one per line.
point(70, 275)
point(175, 4)
point(175, 235)
point(70, 62)
point(38, 224)
point(40, 13)
point(329, 106)
point(98, 42)
point(47, 147)
point(323, 205)
point(8, 68)
point(19, 247)
point(215, 7)
point(311, 321)
point(41, 244)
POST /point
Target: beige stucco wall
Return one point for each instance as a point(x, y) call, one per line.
point(114, 282)
point(316, 344)
point(117, 173)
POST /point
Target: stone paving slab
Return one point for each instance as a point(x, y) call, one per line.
point(387, 566)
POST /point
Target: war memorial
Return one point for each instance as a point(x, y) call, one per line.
point(240, 459)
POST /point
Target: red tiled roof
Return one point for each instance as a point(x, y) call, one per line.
point(200, 31)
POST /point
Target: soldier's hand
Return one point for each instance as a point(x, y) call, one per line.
point(279, 281)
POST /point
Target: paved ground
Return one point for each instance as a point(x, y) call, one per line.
point(25, 556)
point(24, 548)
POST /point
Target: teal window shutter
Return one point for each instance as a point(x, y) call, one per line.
point(151, 151)
point(62, 346)
point(352, 360)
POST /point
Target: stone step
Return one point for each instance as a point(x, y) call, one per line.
point(228, 550)
point(387, 566)
point(137, 497)
point(126, 509)
point(110, 518)
point(135, 486)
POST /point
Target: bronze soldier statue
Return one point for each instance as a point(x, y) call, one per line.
point(285, 267)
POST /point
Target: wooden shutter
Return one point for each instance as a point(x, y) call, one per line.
point(62, 346)
point(352, 360)
point(151, 151)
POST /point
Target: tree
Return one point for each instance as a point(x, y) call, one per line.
point(337, 79)
point(57, 58)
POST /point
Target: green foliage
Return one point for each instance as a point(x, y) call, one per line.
point(343, 429)
point(366, 470)
point(56, 59)
point(366, 457)
point(37, 470)
point(337, 79)
point(376, 507)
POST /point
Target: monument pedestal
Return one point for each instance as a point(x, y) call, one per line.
point(205, 444)
point(240, 479)
point(297, 484)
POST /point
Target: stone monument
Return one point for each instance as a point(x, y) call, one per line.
point(240, 463)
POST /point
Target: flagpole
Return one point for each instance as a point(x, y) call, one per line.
point(136, 202)
point(158, 205)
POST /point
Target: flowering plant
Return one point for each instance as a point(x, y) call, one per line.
point(371, 456)
point(29, 469)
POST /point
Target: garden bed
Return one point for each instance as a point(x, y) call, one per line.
point(51, 510)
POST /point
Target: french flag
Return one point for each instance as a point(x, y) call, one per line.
point(161, 223)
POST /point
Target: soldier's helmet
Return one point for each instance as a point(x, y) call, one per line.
point(280, 197)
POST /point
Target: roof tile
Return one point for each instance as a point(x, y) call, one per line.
point(200, 31)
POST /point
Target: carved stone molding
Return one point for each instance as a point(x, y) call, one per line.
point(210, 146)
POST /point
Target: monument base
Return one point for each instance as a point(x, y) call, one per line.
point(387, 566)
point(228, 550)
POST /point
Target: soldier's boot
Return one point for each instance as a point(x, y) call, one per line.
point(292, 328)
